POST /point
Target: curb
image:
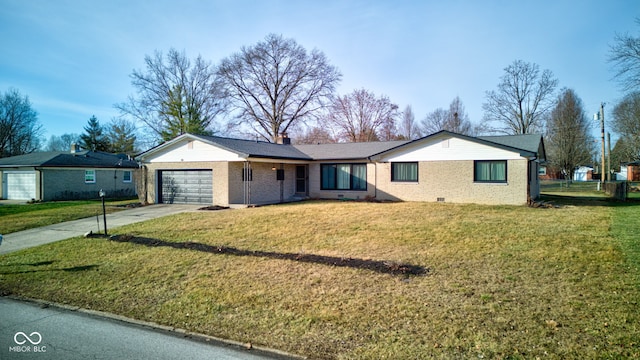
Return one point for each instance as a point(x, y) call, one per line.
point(221, 342)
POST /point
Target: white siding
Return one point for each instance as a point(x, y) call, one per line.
point(448, 149)
point(193, 151)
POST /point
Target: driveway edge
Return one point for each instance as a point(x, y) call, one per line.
point(261, 350)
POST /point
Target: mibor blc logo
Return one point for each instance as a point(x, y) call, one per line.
point(27, 343)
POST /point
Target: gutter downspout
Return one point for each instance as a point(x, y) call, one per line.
point(40, 195)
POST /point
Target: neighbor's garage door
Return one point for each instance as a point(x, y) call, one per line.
point(20, 185)
point(186, 186)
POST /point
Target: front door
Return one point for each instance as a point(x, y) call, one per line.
point(301, 179)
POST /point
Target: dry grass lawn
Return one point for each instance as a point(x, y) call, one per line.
point(502, 281)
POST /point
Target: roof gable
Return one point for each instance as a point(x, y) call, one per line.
point(227, 149)
point(446, 145)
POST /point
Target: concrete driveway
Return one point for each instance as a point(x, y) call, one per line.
point(47, 234)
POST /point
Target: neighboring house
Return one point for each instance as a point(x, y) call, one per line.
point(74, 175)
point(583, 173)
point(444, 166)
point(548, 172)
point(631, 170)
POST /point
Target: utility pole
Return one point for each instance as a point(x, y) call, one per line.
point(609, 173)
point(600, 116)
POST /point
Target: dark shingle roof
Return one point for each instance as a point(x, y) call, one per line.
point(348, 151)
point(257, 148)
point(527, 142)
point(90, 159)
point(344, 151)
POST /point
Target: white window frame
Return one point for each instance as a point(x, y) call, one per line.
point(90, 176)
point(124, 176)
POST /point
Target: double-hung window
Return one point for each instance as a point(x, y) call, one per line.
point(404, 171)
point(343, 177)
point(89, 176)
point(126, 176)
point(490, 171)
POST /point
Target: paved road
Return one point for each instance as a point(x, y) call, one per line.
point(43, 235)
point(28, 331)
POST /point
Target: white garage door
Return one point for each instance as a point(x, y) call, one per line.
point(186, 186)
point(20, 185)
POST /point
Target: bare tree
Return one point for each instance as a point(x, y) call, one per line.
point(276, 83)
point(315, 135)
point(626, 122)
point(522, 101)
point(435, 121)
point(174, 95)
point(568, 141)
point(626, 149)
point(455, 119)
point(407, 127)
point(625, 56)
point(361, 116)
point(19, 128)
point(62, 142)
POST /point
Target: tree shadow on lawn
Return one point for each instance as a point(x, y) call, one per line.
point(385, 267)
point(570, 200)
point(68, 269)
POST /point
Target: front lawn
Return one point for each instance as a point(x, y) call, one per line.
point(496, 281)
point(27, 216)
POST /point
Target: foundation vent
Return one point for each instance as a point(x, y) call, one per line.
point(440, 199)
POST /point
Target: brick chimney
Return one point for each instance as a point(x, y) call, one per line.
point(283, 139)
point(74, 148)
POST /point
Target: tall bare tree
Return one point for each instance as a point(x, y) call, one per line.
point(522, 101)
point(315, 135)
point(625, 56)
point(626, 149)
point(455, 119)
point(62, 142)
point(361, 116)
point(276, 83)
point(626, 122)
point(20, 130)
point(175, 95)
point(407, 127)
point(568, 141)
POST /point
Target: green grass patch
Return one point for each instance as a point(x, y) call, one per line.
point(503, 281)
point(16, 217)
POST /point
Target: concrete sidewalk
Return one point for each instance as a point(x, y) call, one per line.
point(47, 234)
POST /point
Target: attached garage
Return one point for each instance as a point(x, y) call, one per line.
point(19, 185)
point(185, 186)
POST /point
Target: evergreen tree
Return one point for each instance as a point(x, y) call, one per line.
point(122, 136)
point(94, 138)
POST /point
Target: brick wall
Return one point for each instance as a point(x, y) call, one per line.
point(453, 182)
point(69, 184)
point(264, 186)
point(316, 192)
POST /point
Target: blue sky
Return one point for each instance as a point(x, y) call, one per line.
point(74, 58)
